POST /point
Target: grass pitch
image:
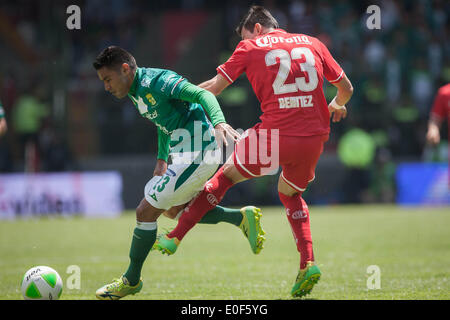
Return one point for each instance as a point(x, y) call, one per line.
point(410, 246)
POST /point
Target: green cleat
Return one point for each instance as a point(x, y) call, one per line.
point(158, 237)
point(166, 245)
point(118, 289)
point(305, 281)
point(251, 227)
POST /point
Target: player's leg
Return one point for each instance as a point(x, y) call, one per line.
point(298, 171)
point(298, 216)
point(211, 195)
point(214, 216)
point(159, 195)
point(144, 236)
point(206, 204)
point(213, 191)
point(232, 172)
point(250, 224)
point(188, 187)
point(174, 211)
point(235, 170)
point(246, 218)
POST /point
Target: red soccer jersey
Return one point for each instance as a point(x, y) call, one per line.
point(441, 105)
point(286, 72)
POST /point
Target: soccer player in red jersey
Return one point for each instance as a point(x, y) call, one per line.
point(439, 112)
point(286, 72)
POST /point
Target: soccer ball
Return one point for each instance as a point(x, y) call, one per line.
point(41, 283)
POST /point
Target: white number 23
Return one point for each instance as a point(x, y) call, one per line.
point(279, 85)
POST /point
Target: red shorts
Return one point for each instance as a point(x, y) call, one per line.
point(260, 152)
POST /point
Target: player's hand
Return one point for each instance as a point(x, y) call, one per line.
point(3, 126)
point(224, 131)
point(433, 135)
point(337, 112)
point(160, 168)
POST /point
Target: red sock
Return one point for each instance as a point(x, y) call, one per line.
point(211, 195)
point(298, 215)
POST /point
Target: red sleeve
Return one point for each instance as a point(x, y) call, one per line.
point(439, 108)
point(236, 64)
point(331, 69)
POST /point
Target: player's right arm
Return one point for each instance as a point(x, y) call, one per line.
point(337, 107)
point(433, 134)
point(436, 118)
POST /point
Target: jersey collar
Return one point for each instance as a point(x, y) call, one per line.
point(276, 30)
point(134, 85)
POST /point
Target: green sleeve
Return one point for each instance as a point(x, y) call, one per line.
point(194, 94)
point(163, 145)
point(2, 112)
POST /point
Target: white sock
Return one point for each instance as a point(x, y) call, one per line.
point(146, 225)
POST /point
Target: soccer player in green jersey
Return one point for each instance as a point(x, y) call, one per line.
point(177, 108)
point(3, 125)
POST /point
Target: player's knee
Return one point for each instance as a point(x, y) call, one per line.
point(147, 213)
point(230, 171)
point(288, 191)
point(172, 213)
point(140, 213)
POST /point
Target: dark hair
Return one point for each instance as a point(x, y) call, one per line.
point(113, 57)
point(257, 14)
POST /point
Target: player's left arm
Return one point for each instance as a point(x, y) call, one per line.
point(215, 85)
point(208, 101)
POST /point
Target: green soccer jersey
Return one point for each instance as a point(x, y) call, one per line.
point(159, 95)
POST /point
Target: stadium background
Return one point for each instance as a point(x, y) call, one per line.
point(46, 67)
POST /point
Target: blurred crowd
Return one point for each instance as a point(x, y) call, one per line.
point(395, 70)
